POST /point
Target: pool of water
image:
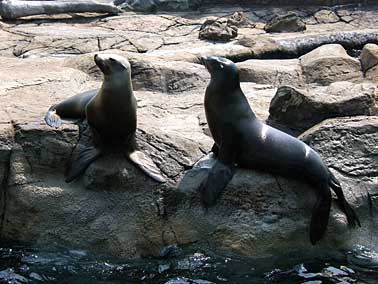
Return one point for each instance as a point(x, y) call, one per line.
point(190, 266)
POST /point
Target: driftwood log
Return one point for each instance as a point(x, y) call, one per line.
point(263, 48)
point(13, 9)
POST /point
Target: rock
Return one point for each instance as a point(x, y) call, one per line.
point(9, 276)
point(168, 77)
point(273, 72)
point(330, 63)
point(326, 16)
point(369, 56)
point(151, 73)
point(286, 23)
point(255, 214)
point(239, 19)
point(217, 31)
point(114, 209)
point(184, 280)
point(372, 74)
point(300, 109)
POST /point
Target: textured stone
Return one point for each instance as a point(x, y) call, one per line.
point(286, 23)
point(330, 63)
point(326, 16)
point(114, 208)
point(273, 72)
point(300, 109)
point(369, 56)
point(372, 74)
point(217, 31)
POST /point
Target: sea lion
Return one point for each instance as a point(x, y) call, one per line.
point(242, 140)
point(111, 115)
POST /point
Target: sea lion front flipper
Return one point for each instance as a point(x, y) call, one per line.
point(78, 167)
point(216, 181)
point(223, 170)
point(146, 164)
point(52, 119)
point(320, 215)
point(215, 149)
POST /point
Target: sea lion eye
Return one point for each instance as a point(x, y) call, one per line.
point(221, 66)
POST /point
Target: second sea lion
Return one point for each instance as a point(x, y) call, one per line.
point(242, 140)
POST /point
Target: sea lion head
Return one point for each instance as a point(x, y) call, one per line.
point(111, 64)
point(221, 69)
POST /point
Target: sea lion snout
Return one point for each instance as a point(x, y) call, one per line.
point(111, 63)
point(208, 62)
point(214, 63)
point(204, 60)
point(101, 63)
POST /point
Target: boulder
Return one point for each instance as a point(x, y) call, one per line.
point(217, 31)
point(285, 23)
point(239, 19)
point(300, 109)
point(273, 72)
point(369, 56)
point(330, 63)
point(115, 209)
point(326, 16)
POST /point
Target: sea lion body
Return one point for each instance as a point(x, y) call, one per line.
point(242, 140)
point(266, 148)
point(111, 113)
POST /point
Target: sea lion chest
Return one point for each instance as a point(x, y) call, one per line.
point(213, 117)
point(112, 115)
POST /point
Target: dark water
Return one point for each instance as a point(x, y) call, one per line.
point(21, 265)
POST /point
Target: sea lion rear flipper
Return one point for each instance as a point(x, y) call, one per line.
point(71, 108)
point(343, 203)
point(78, 167)
point(146, 164)
point(320, 216)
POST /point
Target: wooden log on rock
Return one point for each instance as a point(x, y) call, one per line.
point(294, 47)
point(10, 10)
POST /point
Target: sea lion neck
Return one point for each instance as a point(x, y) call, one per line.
point(224, 84)
point(120, 82)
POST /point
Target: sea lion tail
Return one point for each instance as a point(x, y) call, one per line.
point(52, 119)
point(78, 167)
point(342, 203)
point(146, 164)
